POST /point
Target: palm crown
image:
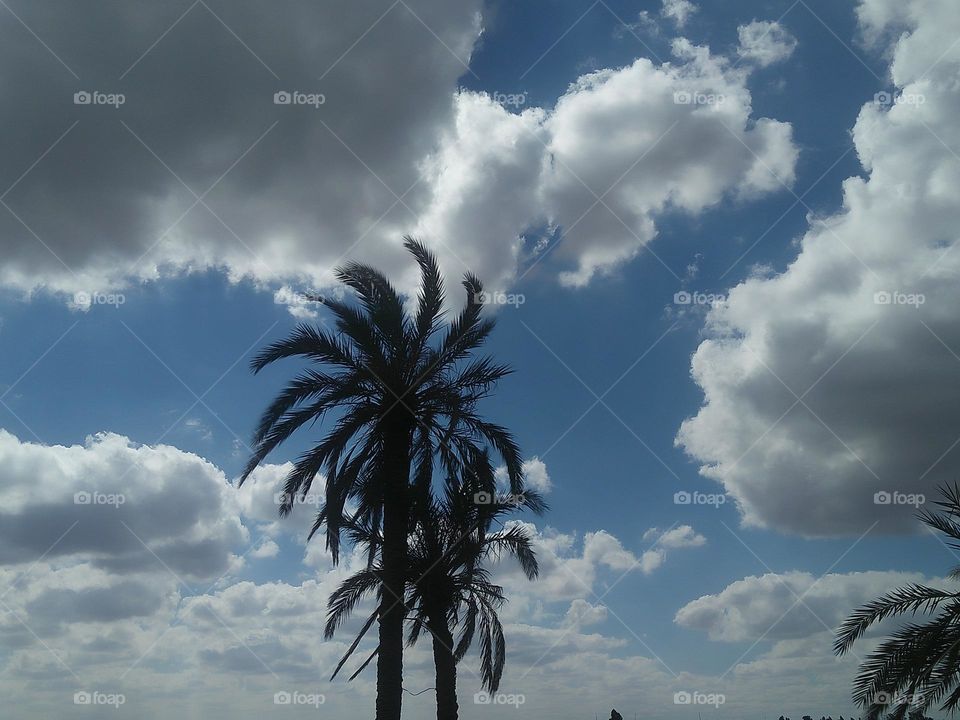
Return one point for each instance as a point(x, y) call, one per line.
point(917, 666)
point(404, 396)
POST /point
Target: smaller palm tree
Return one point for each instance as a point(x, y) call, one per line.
point(918, 666)
point(449, 584)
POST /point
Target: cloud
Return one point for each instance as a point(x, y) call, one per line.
point(199, 168)
point(294, 188)
point(682, 536)
point(620, 148)
point(122, 507)
point(765, 42)
point(786, 606)
point(535, 476)
point(678, 10)
point(836, 379)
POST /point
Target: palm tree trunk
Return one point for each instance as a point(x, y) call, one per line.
point(392, 611)
point(446, 667)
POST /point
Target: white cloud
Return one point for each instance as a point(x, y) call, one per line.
point(648, 139)
point(765, 42)
point(678, 10)
point(786, 606)
point(249, 640)
point(266, 549)
point(682, 536)
point(877, 381)
point(535, 476)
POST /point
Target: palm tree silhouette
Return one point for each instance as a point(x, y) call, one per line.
point(918, 665)
point(449, 588)
point(402, 399)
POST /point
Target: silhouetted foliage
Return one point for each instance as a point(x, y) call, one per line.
point(917, 666)
point(403, 395)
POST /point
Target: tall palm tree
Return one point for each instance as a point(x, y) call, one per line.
point(403, 394)
point(919, 664)
point(449, 586)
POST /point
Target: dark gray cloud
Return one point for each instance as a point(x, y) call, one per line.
point(199, 81)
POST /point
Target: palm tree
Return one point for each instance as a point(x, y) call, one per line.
point(918, 665)
point(449, 587)
point(403, 394)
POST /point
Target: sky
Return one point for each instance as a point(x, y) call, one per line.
point(721, 240)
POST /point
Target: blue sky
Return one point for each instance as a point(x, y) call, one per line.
point(169, 366)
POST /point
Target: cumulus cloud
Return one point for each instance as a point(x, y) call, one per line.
point(682, 536)
point(535, 476)
point(835, 380)
point(786, 606)
point(144, 612)
point(678, 10)
point(619, 148)
point(765, 42)
point(122, 507)
point(200, 169)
